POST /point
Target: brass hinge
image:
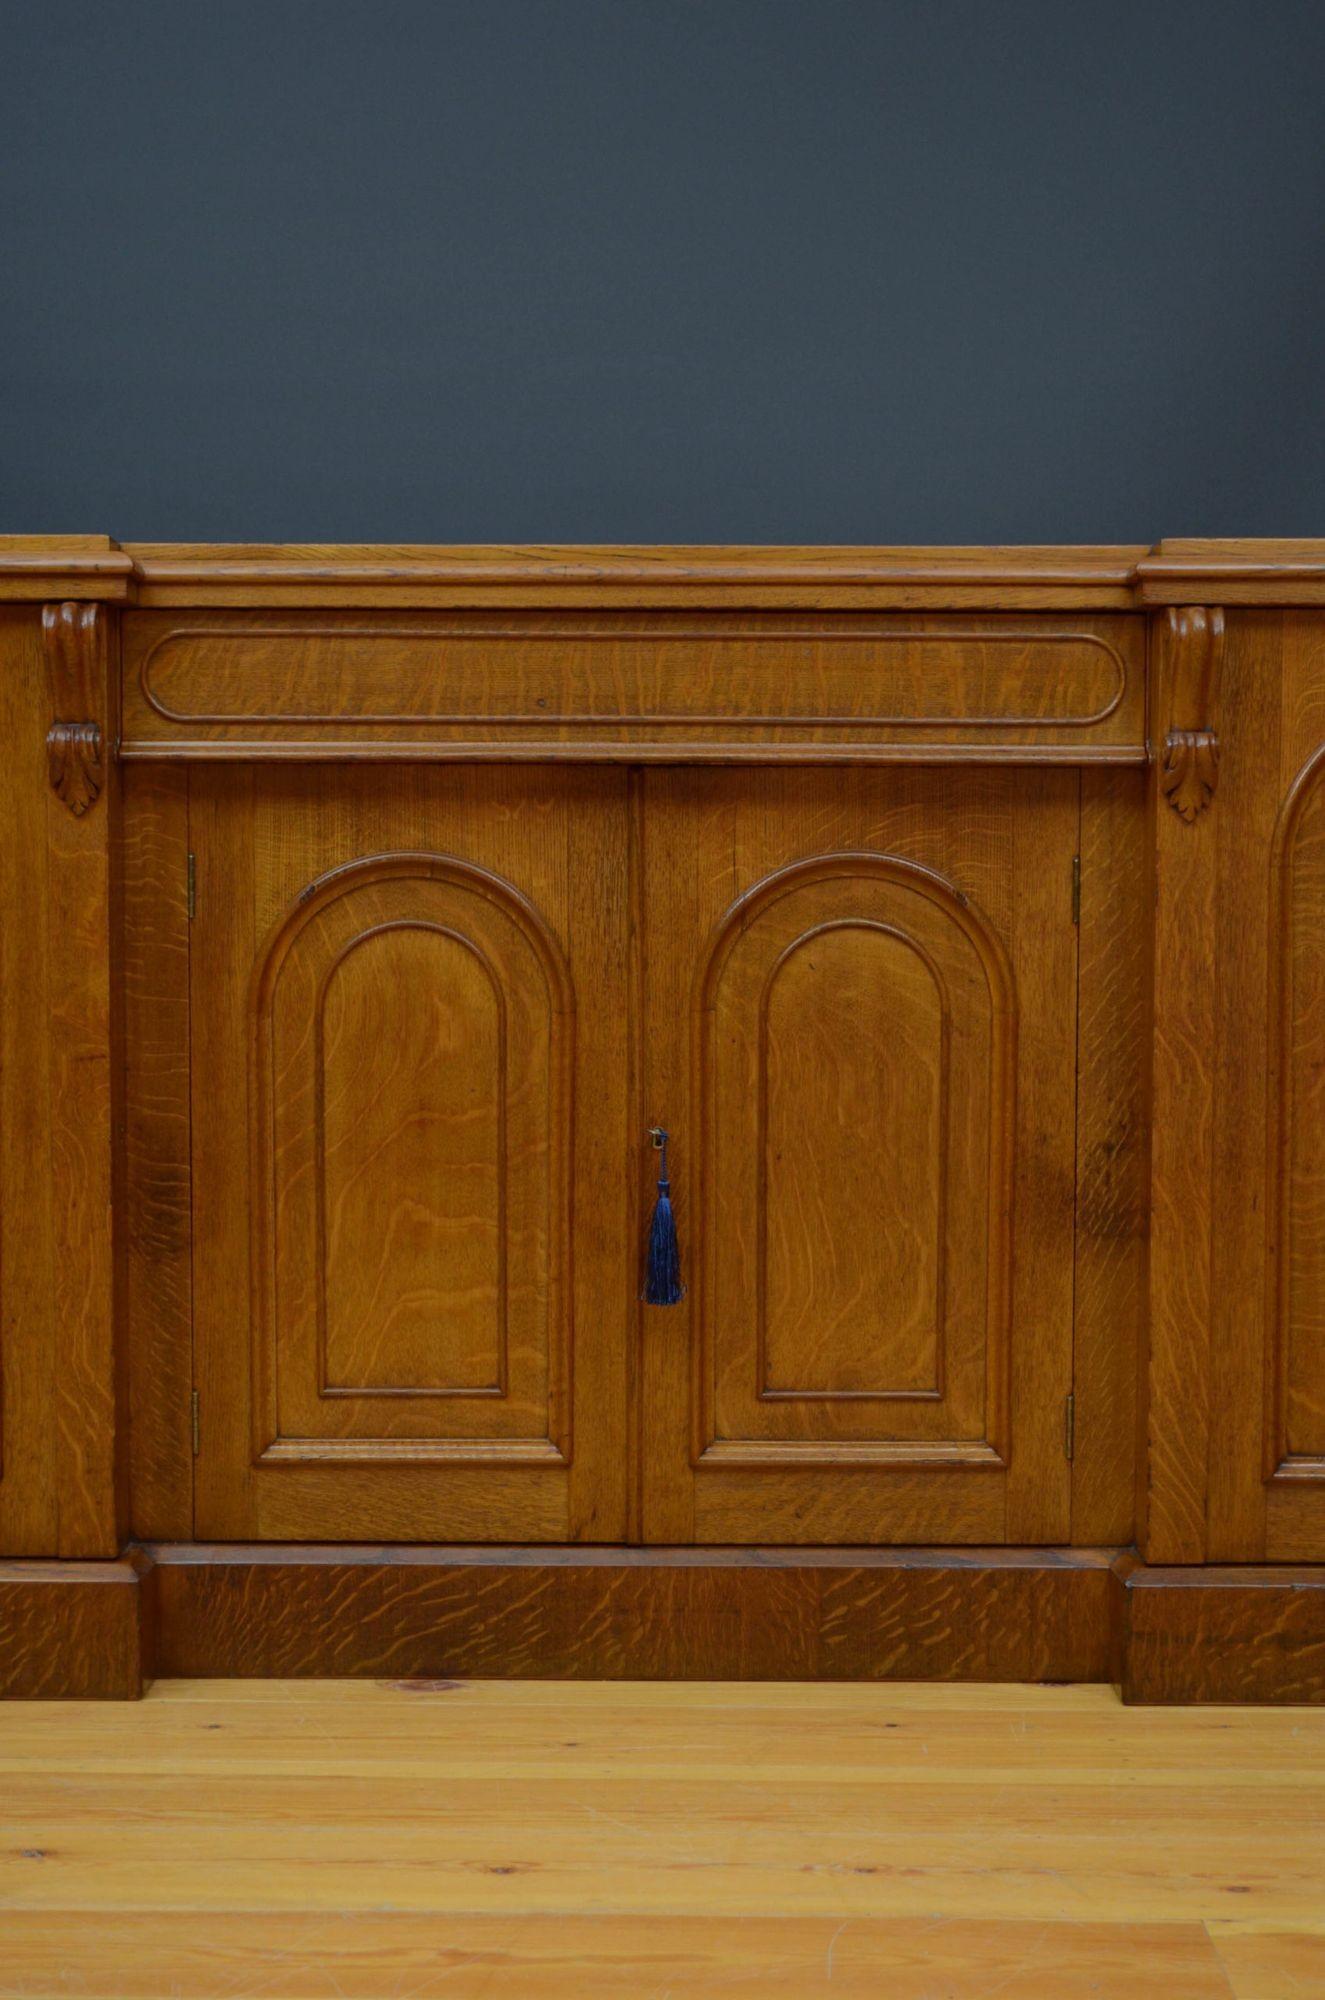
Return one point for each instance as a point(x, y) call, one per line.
point(193, 1418)
point(193, 887)
point(1070, 1426)
point(1076, 888)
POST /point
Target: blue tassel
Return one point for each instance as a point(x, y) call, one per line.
point(662, 1270)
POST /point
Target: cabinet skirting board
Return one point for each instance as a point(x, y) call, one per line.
point(1160, 1635)
point(77, 1630)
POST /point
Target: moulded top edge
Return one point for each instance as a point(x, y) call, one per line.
point(621, 577)
point(626, 564)
point(45, 566)
point(1111, 577)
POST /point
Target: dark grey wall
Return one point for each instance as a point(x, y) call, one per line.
point(672, 270)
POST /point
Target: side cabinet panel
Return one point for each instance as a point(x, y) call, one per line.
point(61, 1402)
point(1236, 1381)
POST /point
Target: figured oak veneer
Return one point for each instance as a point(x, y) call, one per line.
point(62, 1471)
point(910, 1213)
point(958, 912)
point(612, 686)
point(74, 1629)
point(412, 1031)
point(1232, 1211)
point(418, 1208)
point(856, 1025)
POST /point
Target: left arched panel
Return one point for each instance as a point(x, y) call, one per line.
point(410, 1153)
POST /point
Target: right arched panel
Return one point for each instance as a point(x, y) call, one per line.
point(855, 1070)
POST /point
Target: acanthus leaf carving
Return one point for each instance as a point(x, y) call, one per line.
point(1190, 770)
point(73, 753)
point(1190, 767)
point(74, 642)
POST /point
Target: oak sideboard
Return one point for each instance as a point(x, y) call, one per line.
point(368, 914)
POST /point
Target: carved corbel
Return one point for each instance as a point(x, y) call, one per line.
point(1190, 767)
point(74, 639)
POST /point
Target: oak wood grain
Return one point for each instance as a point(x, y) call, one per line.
point(1112, 1166)
point(1043, 940)
point(1184, 1193)
point(42, 568)
point(412, 1022)
point(1217, 1633)
point(610, 1614)
point(29, 1494)
point(81, 1046)
point(856, 1061)
point(674, 660)
point(306, 575)
point(745, 875)
point(401, 1263)
point(1233, 1329)
point(1240, 976)
point(46, 569)
point(156, 1241)
point(1294, 1457)
point(1236, 571)
point(617, 685)
point(1196, 1634)
point(76, 1630)
point(61, 1443)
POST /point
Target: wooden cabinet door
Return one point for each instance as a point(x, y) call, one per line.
point(409, 1018)
point(860, 1031)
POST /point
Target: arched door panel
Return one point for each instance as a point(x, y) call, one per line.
point(413, 1025)
point(409, 995)
point(861, 1033)
point(854, 1097)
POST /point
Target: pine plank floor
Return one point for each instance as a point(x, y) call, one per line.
point(575, 1841)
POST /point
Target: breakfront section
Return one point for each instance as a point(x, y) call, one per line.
point(958, 917)
point(1238, 1413)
